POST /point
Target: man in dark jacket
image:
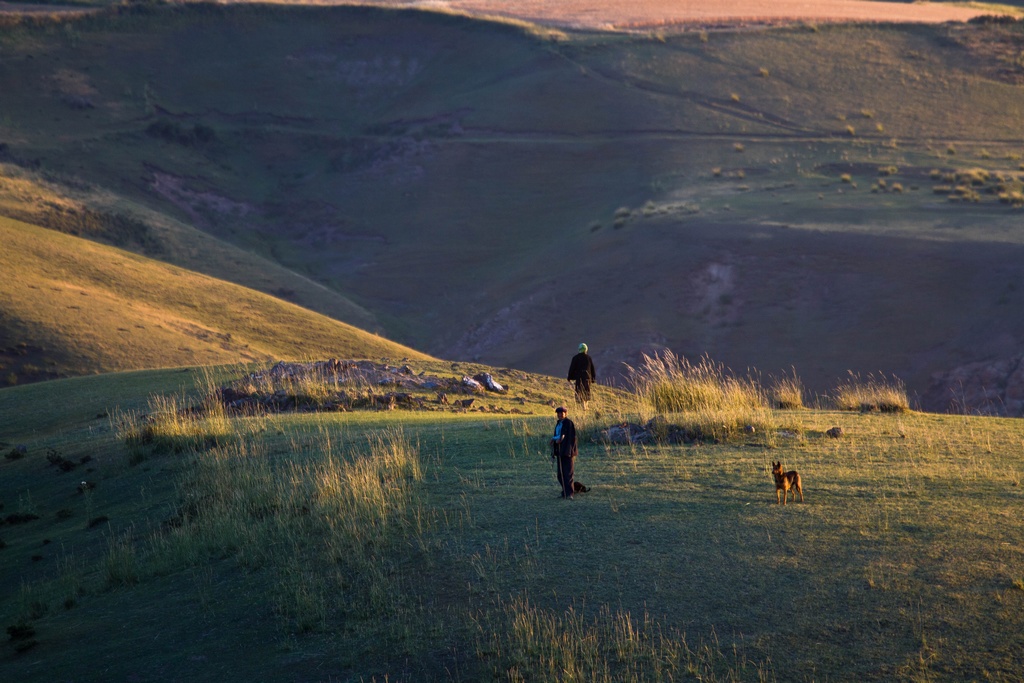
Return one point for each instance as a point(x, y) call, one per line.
point(564, 450)
point(581, 371)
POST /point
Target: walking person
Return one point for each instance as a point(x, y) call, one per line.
point(564, 450)
point(582, 372)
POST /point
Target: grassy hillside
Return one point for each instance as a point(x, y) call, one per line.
point(72, 306)
point(409, 546)
point(485, 192)
point(87, 210)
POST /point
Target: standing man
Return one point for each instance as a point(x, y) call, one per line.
point(564, 450)
point(581, 371)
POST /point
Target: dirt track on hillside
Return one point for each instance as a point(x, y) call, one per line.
point(650, 14)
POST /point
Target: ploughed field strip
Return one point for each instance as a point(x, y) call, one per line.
point(628, 14)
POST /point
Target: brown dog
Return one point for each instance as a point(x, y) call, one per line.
point(786, 482)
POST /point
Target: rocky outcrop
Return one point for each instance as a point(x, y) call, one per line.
point(344, 385)
point(331, 385)
point(993, 387)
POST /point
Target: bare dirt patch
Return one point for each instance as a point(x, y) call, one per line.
point(196, 204)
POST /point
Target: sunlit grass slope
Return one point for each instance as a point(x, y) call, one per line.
point(72, 306)
point(88, 210)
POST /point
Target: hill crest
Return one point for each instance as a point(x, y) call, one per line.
point(78, 307)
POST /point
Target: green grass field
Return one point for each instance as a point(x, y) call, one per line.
point(432, 546)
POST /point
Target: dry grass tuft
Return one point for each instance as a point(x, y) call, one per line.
point(170, 426)
point(325, 522)
point(538, 644)
point(673, 384)
point(872, 394)
point(787, 393)
point(712, 401)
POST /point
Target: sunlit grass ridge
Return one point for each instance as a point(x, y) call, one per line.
point(134, 312)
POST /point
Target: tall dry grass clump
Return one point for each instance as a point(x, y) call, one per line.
point(369, 493)
point(324, 519)
point(887, 395)
point(786, 392)
point(711, 400)
point(672, 384)
point(172, 426)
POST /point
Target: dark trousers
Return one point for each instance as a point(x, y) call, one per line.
point(566, 466)
point(582, 390)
